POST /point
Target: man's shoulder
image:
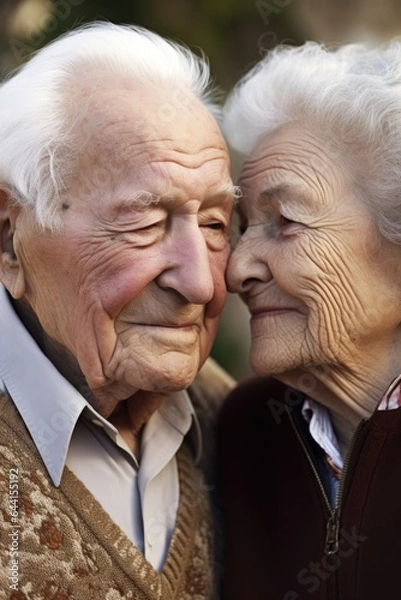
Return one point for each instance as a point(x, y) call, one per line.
point(211, 386)
point(13, 432)
point(10, 418)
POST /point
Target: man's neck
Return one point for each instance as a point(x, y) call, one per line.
point(129, 415)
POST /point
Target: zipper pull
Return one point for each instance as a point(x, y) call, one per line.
point(332, 534)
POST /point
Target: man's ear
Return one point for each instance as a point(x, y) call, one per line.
point(11, 271)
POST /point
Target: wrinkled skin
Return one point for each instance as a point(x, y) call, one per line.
point(322, 286)
point(130, 295)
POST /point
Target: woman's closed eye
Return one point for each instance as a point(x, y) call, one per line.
point(284, 221)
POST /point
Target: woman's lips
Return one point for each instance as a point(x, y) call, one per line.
point(269, 311)
point(176, 327)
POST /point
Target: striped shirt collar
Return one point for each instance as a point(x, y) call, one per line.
point(321, 429)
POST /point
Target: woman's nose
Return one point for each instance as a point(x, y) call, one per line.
point(247, 265)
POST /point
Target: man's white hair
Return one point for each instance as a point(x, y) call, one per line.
point(350, 97)
point(37, 116)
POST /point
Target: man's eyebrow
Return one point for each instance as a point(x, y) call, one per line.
point(141, 198)
point(230, 190)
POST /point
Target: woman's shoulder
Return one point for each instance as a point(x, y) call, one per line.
point(253, 393)
point(254, 405)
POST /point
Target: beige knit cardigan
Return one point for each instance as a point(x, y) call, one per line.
point(59, 543)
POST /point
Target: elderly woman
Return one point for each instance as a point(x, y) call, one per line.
point(310, 451)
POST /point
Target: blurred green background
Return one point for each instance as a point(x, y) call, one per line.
point(234, 34)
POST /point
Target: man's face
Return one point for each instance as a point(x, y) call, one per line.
point(133, 285)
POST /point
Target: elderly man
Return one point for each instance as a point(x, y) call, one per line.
point(115, 205)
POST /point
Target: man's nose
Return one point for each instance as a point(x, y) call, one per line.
point(247, 265)
point(188, 268)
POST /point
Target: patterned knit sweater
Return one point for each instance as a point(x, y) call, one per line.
point(59, 543)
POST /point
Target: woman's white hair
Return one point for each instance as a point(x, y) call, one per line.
point(37, 141)
point(350, 97)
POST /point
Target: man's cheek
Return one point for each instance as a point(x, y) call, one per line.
point(120, 289)
point(208, 337)
point(218, 267)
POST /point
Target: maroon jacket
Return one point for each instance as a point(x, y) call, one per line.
point(283, 540)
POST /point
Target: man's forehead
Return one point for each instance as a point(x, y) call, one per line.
point(136, 138)
point(117, 116)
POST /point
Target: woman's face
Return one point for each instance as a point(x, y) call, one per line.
point(321, 285)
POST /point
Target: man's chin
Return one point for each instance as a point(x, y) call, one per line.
point(174, 382)
point(167, 371)
point(174, 374)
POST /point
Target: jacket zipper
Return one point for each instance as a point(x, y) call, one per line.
point(332, 542)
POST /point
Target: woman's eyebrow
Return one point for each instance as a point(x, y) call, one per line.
point(285, 193)
point(275, 192)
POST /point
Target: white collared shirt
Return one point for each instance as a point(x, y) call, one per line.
point(141, 498)
point(321, 429)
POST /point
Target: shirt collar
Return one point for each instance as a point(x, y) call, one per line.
point(321, 428)
point(391, 399)
point(48, 404)
point(46, 401)
point(178, 410)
